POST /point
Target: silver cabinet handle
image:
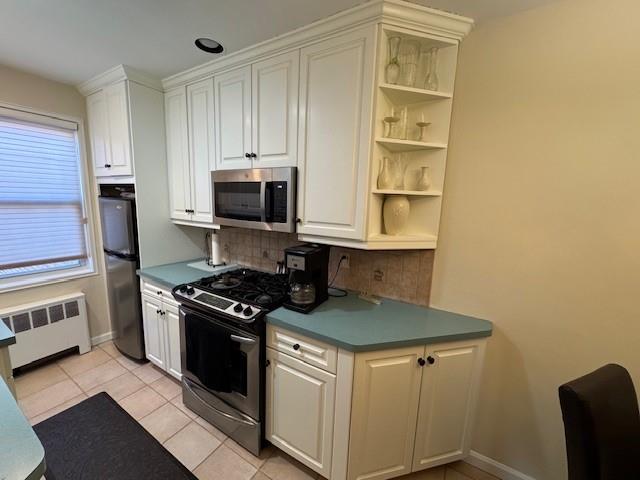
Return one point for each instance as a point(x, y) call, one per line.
point(239, 339)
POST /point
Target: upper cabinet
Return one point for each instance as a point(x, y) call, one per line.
point(257, 114)
point(233, 119)
point(336, 78)
point(361, 103)
point(108, 115)
point(190, 152)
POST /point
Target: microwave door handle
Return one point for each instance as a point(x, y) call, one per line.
point(263, 201)
point(239, 339)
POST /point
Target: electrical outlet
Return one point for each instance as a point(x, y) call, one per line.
point(346, 260)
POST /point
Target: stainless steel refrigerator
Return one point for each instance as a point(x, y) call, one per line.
point(119, 238)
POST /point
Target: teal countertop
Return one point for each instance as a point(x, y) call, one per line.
point(173, 274)
point(6, 337)
point(355, 325)
point(21, 453)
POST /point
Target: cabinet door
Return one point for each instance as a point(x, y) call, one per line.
point(98, 133)
point(447, 402)
point(116, 97)
point(175, 110)
point(172, 321)
point(299, 410)
point(154, 330)
point(201, 148)
point(233, 119)
point(384, 408)
point(274, 98)
point(336, 79)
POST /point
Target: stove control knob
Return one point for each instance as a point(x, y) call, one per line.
point(248, 311)
point(238, 308)
point(190, 291)
point(183, 289)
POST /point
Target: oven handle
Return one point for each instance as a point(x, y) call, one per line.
point(239, 339)
point(188, 384)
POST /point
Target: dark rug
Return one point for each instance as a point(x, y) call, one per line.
point(97, 439)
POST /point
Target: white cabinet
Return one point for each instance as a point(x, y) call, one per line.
point(161, 323)
point(154, 331)
point(233, 119)
point(300, 410)
point(175, 108)
point(189, 118)
point(385, 399)
point(109, 130)
point(447, 400)
point(257, 114)
point(336, 82)
point(201, 149)
point(274, 110)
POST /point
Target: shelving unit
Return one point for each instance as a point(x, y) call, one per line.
point(403, 95)
point(397, 145)
point(423, 105)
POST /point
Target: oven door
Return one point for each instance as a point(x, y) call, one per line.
point(221, 359)
point(259, 198)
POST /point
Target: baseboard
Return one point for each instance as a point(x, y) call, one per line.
point(493, 467)
point(98, 339)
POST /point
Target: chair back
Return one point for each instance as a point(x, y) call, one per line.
point(602, 425)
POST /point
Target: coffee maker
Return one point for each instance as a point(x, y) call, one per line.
point(308, 266)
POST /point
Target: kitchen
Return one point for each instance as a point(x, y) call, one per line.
point(271, 229)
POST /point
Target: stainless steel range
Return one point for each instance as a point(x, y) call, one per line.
point(222, 340)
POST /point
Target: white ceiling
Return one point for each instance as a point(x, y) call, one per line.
point(71, 41)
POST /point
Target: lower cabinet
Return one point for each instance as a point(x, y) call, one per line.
point(161, 322)
point(411, 408)
point(300, 410)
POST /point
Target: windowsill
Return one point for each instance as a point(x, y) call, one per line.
point(44, 279)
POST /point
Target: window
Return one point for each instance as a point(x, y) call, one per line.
point(43, 226)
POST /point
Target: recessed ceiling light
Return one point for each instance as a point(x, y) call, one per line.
point(209, 45)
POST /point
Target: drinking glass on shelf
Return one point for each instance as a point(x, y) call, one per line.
point(408, 62)
point(422, 125)
point(403, 124)
point(390, 122)
point(423, 66)
point(431, 82)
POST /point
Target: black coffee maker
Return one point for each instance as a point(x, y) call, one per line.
point(308, 266)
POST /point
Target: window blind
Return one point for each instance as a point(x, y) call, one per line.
point(41, 210)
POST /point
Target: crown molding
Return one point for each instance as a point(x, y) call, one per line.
point(394, 12)
point(117, 74)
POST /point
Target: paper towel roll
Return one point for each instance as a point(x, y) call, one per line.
point(216, 249)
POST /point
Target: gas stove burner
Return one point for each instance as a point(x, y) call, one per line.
point(225, 282)
point(264, 299)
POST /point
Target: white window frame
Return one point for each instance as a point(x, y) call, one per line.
point(19, 112)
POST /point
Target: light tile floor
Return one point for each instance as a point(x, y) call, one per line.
point(155, 400)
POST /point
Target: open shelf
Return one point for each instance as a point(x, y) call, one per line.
point(397, 145)
point(402, 95)
point(424, 193)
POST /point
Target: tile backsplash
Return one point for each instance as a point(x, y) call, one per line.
point(399, 274)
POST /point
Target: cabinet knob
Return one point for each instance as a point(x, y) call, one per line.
point(158, 311)
point(431, 360)
point(296, 346)
point(107, 165)
point(298, 220)
point(159, 292)
point(267, 363)
point(253, 155)
point(421, 362)
point(247, 155)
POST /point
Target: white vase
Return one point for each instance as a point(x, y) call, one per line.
point(424, 182)
point(386, 179)
point(395, 214)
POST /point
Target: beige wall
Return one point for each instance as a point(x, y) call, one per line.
point(541, 226)
point(23, 89)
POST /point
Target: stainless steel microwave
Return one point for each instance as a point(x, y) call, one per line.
point(258, 198)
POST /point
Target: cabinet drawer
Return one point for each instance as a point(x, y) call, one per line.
point(154, 290)
point(309, 350)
